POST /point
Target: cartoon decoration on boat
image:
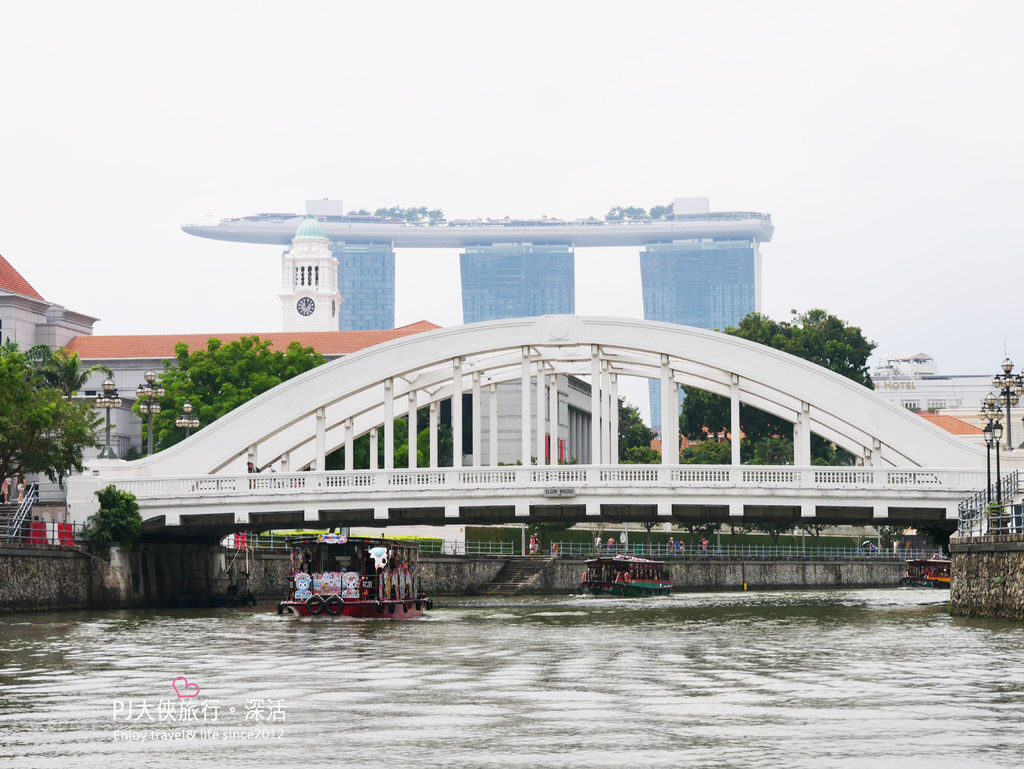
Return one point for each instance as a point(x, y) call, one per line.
point(343, 576)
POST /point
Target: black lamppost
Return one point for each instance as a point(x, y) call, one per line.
point(993, 435)
point(148, 405)
point(108, 399)
point(1010, 387)
point(187, 420)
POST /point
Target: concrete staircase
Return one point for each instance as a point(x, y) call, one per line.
point(7, 514)
point(518, 573)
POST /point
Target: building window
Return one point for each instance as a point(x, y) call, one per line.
point(938, 404)
point(912, 405)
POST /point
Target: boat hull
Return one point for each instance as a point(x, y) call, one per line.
point(627, 589)
point(340, 609)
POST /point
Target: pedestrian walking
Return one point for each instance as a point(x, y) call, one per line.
point(704, 547)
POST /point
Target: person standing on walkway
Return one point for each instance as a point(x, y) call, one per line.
point(5, 490)
point(704, 547)
point(21, 488)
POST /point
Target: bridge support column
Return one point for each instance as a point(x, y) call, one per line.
point(613, 420)
point(553, 416)
point(389, 424)
point(880, 512)
point(433, 434)
point(451, 511)
point(478, 419)
point(593, 509)
point(321, 440)
point(664, 509)
point(735, 509)
point(380, 512)
point(541, 403)
point(522, 509)
point(669, 415)
point(373, 448)
point(802, 436)
point(457, 446)
point(492, 425)
point(524, 421)
point(807, 510)
point(350, 458)
point(172, 519)
point(595, 404)
point(734, 418)
point(412, 431)
point(311, 515)
point(286, 462)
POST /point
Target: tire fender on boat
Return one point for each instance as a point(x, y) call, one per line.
point(380, 607)
point(334, 605)
point(315, 605)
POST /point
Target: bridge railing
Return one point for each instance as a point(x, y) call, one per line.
point(991, 510)
point(768, 551)
point(563, 478)
point(279, 542)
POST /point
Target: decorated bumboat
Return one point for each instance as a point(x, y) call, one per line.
point(626, 576)
point(927, 572)
point(333, 575)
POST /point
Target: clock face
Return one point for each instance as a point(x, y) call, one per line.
point(305, 306)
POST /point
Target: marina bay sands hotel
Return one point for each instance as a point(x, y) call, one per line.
point(697, 267)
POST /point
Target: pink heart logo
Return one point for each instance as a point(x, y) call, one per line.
point(186, 690)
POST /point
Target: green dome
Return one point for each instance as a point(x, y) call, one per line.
point(310, 228)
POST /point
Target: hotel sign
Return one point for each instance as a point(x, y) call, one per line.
point(889, 385)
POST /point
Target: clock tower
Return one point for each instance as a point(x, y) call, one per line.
point(309, 281)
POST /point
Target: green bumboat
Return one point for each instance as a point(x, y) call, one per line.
point(626, 577)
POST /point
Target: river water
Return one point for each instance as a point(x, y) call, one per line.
point(851, 678)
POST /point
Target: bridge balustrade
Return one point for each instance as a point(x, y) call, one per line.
point(529, 479)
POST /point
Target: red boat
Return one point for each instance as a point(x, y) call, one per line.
point(927, 572)
point(337, 576)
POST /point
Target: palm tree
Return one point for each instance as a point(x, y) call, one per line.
point(62, 369)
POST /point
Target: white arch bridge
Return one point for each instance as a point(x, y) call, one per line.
point(908, 471)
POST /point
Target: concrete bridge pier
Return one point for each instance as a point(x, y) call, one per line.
point(184, 573)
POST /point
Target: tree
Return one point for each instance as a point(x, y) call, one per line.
point(706, 453)
point(62, 369)
point(223, 377)
point(662, 212)
point(41, 431)
point(628, 213)
point(814, 335)
point(118, 519)
point(633, 433)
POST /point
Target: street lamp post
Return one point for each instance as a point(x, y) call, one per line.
point(148, 403)
point(1010, 387)
point(993, 432)
point(187, 420)
point(108, 399)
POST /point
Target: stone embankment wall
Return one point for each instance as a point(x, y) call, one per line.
point(45, 577)
point(987, 576)
point(714, 574)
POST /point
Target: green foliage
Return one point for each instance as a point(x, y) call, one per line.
point(61, 369)
point(640, 455)
point(938, 533)
point(628, 213)
point(118, 519)
point(662, 212)
point(41, 431)
point(815, 336)
point(633, 433)
point(706, 453)
point(890, 534)
point(221, 378)
point(415, 215)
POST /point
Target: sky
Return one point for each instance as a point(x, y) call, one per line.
point(884, 138)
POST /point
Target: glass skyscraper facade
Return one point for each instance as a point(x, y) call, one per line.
point(513, 280)
point(704, 283)
point(366, 280)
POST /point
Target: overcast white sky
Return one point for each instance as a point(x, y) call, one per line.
point(884, 138)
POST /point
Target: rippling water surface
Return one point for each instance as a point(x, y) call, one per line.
point(801, 679)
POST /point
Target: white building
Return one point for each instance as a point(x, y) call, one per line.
point(28, 319)
point(310, 299)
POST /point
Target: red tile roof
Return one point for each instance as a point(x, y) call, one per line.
point(162, 345)
point(950, 424)
point(11, 280)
